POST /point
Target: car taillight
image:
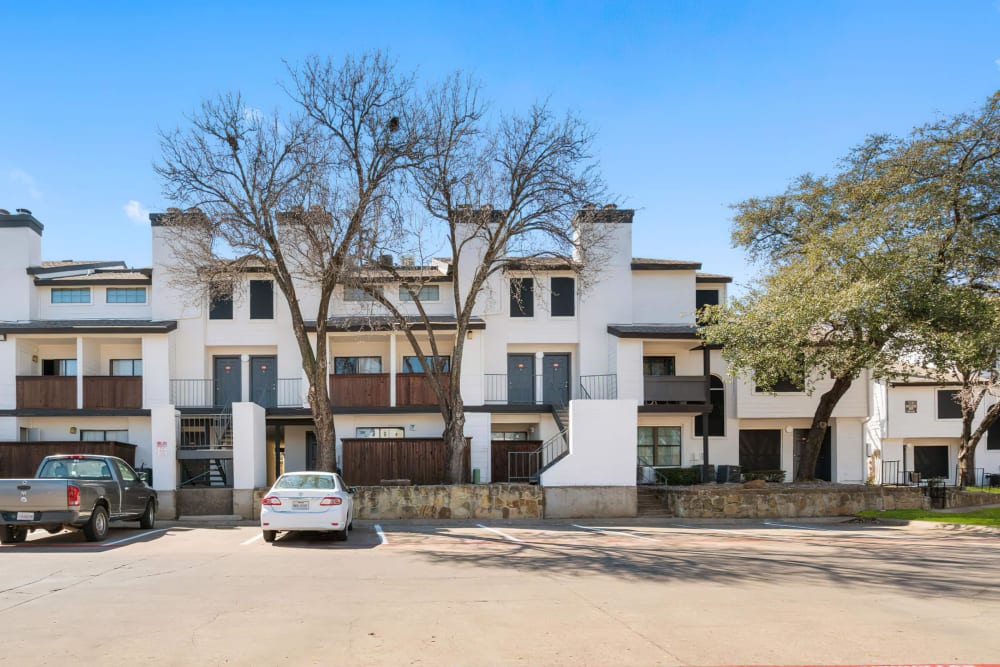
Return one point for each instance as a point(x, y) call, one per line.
point(271, 500)
point(331, 500)
point(72, 495)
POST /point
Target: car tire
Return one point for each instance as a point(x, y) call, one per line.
point(269, 535)
point(96, 529)
point(148, 518)
point(13, 535)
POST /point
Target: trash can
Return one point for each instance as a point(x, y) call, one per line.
point(475, 475)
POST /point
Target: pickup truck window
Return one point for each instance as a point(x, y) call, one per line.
point(126, 472)
point(75, 469)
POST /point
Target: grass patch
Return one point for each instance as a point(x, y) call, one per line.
point(986, 517)
point(984, 489)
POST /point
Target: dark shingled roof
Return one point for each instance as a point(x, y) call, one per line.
point(671, 331)
point(74, 265)
point(647, 264)
point(128, 277)
point(387, 323)
point(88, 326)
point(700, 277)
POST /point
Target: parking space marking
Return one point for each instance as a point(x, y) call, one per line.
point(252, 539)
point(499, 532)
point(381, 535)
point(614, 532)
point(132, 537)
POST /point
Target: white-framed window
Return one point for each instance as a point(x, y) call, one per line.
point(358, 294)
point(97, 435)
point(522, 297)
point(949, 405)
point(562, 293)
point(125, 295)
point(425, 293)
point(357, 365)
point(70, 295)
point(126, 367)
point(60, 367)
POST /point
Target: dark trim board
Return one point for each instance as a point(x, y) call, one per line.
point(673, 408)
point(88, 326)
point(45, 412)
point(655, 331)
point(97, 280)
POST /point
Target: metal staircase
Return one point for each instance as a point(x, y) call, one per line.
point(529, 466)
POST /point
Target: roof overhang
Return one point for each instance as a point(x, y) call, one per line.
point(88, 326)
point(656, 331)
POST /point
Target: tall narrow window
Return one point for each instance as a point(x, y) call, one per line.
point(261, 300)
point(563, 297)
point(717, 417)
point(221, 307)
point(522, 297)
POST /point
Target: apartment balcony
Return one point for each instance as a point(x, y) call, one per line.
point(675, 390)
point(50, 392)
point(359, 390)
point(501, 389)
point(106, 392)
point(199, 393)
point(416, 389)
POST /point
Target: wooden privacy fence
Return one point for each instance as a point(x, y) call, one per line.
point(368, 461)
point(21, 459)
point(499, 456)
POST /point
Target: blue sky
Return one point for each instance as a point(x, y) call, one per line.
point(697, 105)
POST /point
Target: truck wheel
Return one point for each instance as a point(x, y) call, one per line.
point(96, 529)
point(148, 518)
point(13, 535)
point(269, 535)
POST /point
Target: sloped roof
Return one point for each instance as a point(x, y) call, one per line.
point(649, 264)
point(700, 277)
point(128, 277)
point(88, 326)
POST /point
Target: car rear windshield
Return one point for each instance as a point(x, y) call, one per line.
point(75, 469)
point(305, 482)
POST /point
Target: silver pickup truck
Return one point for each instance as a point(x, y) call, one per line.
point(78, 491)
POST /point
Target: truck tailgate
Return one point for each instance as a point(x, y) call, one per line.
point(33, 495)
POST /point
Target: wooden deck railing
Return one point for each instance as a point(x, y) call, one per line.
point(106, 391)
point(361, 390)
point(416, 389)
point(57, 392)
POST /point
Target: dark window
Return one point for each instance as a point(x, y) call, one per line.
point(563, 297)
point(659, 445)
point(312, 450)
point(993, 436)
point(717, 417)
point(760, 450)
point(359, 294)
point(127, 367)
point(931, 461)
point(221, 307)
point(948, 406)
point(706, 297)
point(261, 300)
point(357, 365)
point(424, 293)
point(59, 367)
point(509, 435)
point(658, 366)
point(91, 435)
point(522, 297)
point(413, 365)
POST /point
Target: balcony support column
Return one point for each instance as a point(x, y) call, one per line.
point(392, 370)
point(539, 377)
point(79, 373)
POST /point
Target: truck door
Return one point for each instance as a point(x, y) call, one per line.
point(134, 493)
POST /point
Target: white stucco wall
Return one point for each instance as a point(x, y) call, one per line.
point(249, 446)
point(602, 446)
point(752, 404)
point(163, 431)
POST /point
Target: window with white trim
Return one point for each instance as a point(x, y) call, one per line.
point(125, 295)
point(70, 295)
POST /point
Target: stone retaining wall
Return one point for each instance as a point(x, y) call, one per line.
point(463, 501)
point(959, 498)
point(782, 501)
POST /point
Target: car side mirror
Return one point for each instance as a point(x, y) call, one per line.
point(143, 477)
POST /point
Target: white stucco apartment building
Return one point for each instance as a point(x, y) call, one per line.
point(212, 393)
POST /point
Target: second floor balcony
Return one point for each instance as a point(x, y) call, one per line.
point(59, 392)
point(674, 389)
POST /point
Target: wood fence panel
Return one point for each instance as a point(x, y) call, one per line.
point(416, 389)
point(107, 391)
point(361, 390)
point(46, 391)
point(369, 461)
point(499, 449)
point(21, 459)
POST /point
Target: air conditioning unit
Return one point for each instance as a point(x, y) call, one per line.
point(728, 474)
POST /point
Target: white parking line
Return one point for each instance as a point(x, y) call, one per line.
point(614, 532)
point(780, 524)
point(499, 532)
point(252, 539)
point(133, 537)
point(381, 536)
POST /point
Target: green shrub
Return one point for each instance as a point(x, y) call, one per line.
point(766, 475)
point(679, 476)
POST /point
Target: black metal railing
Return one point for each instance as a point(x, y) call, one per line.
point(528, 466)
point(192, 393)
point(206, 432)
point(598, 387)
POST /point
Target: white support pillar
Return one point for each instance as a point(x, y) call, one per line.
point(79, 373)
point(244, 377)
point(392, 370)
point(155, 371)
point(539, 377)
point(249, 456)
point(163, 431)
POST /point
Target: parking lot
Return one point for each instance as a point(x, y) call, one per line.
point(629, 592)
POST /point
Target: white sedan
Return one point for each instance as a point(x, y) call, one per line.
point(308, 501)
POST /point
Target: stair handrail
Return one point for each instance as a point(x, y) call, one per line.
point(642, 462)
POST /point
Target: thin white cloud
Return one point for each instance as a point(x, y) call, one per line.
point(997, 61)
point(136, 212)
point(26, 183)
point(252, 114)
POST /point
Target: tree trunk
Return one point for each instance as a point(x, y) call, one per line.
point(817, 430)
point(967, 450)
point(326, 433)
point(455, 444)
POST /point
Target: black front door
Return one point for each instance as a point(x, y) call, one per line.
point(760, 450)
point(520, 378)
point(555, 379)
point(931, 461)
point(264, 381)
point(228, 382)
point(824, 470)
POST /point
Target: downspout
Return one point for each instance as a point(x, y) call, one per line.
point(707, 368)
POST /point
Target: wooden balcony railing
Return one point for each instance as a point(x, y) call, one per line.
point(674, 388)
point(361, 390)
point(416, 389)
point(107, 392)
point(46, 391)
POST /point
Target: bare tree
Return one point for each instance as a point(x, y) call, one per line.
point(295, 197)
point(499, 198)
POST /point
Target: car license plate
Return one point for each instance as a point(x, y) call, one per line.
point(25, 516)
point(300, 504)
